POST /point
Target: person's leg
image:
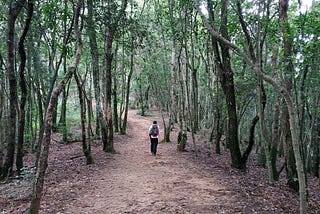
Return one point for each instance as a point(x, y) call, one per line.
point(155, 146)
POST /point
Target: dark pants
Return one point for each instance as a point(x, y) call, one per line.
point(154, 144)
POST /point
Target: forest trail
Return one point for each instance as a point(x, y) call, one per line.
point(133, 181)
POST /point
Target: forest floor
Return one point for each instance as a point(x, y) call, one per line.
point(134, 181)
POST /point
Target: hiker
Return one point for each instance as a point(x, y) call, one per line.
point(154, 137)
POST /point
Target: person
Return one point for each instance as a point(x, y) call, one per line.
point(154, 137)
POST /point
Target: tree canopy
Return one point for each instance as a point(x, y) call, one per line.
point(246, 72)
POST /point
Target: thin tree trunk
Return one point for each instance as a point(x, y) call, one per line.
point(292, 174)
point(195, 90)
point(256, 58)
point(2, 104)
point(217, 112)
point(85, 147)
point(115, 94)
point(245, 155)
point(111, 29)
point(108, 147)
point(123, 88)
point(315, 146)
point(52, 85)
point(63, 112)
point(127, 93)
point(174, 64)
point(43, 158)
point(15, 8)
point(24, 89)
point(96, 72)
point(276, 116)
point(182, 136)
point(302, 107)
point(38, 98)
point(89, 127)
point(227, 83)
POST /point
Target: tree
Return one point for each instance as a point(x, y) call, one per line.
point(225, 73)
point(86, 147)
point(23, 86)
point(2, 104)
point(288, 100)
point(111, 27)
point(43, 158)
point(15, 8)
point(96, 71)
point(289, 68)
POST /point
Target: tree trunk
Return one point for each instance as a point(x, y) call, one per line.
point(194, 84)
point(227, 83)
point(115, 95)
point(182, 136)
point(63, 112)
point(108, 147)
point(167, 131)
point(2, 104)
point(275, 120)
point(115, 105)
point(111, 29)
point(127, 93)
point(123, 88)
point(14, 10)
point(24, 89)
point(256, 57)
point(43, 158)
point(301, 114)
point(174, 64)
point(315, 146)
point(263, 131)
point(95, 71)
point(85, 147)
point(53, 80)
point(247, 152)
point(292, 177)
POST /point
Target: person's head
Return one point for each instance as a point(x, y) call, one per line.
point(154, 122)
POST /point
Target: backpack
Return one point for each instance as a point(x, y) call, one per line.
point(154, 130)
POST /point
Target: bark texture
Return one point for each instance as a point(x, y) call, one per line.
point(23, 87)
point(15, 8)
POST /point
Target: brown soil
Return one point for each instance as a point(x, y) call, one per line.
point(134, 181)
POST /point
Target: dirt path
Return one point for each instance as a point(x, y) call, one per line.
point(136, 182)
point(133, 181)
